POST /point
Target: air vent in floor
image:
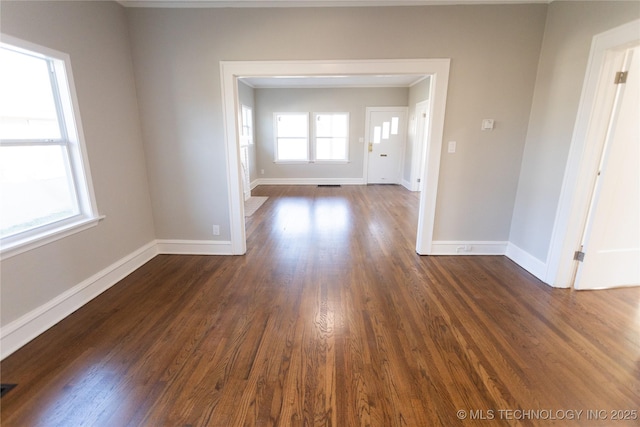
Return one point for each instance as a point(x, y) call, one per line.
point(5, 388)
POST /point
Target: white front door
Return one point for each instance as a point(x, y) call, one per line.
point(386, 132)
point(611, 242)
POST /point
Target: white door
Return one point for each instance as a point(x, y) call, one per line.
point(386, 131)
point(611, 242)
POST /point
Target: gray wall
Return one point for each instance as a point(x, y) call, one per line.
point(352, 100)
point(569, 32)
point(494, 51)
point(95, 35)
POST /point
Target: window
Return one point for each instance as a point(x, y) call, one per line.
point(45, 191)
point(292, 136)
point(246, 125)
point(332, 136)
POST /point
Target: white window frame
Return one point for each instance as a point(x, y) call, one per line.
point(246, 125)
point(72, 139)
point(315, 137)
point(276, 138)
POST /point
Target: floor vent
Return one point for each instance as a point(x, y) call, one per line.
point(329, 185)
point(6, 388)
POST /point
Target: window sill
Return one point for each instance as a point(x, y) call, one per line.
point(29, 243)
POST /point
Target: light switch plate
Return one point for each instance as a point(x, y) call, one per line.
point(451, 147)
point(487, 124)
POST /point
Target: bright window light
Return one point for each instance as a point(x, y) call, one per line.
point(332, 136)
point(292, 136)
point(43, 185)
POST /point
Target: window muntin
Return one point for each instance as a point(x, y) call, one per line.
point(44, 183)
point(292, 136)
point(246, 125)
point(332, 136)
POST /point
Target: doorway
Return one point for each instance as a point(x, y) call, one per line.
point(594, 114)
point(437, 69)
point(610, 245)
point(386, 131)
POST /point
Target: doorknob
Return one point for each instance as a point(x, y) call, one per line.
point(370, 147)
point(383, 155)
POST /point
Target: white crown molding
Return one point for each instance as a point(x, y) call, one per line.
point(309, 3)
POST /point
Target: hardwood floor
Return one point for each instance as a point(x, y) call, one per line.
point(331, 319)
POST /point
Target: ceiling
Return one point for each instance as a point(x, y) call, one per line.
point(309, 3)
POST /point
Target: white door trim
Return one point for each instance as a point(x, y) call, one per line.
point(421, 143)
point(438, 69)
point(574, 199)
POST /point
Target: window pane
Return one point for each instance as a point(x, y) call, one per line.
point(292, 149)
point(27, 106)
point(395, 122)
point(323, 148)
point(331, 149)
point(328, 125)
point(35, 188)
point(339, 148)
point(385, 130)
point(377, 132)
point(292, 126)
point(340, 125)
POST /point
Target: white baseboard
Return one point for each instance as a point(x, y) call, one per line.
point(254, 183)
point(311, 181)
point(406, 184)
point(194, 247)
point(448, 247)
point(27, 327)
point(527, 261)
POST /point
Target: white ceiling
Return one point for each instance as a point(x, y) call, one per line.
point(309, 3)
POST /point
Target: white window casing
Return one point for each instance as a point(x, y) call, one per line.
point(39, 158)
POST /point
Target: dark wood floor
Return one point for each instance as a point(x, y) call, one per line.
point(331, 319)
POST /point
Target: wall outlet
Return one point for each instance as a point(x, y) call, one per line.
point(261, 171)
point(216, 230)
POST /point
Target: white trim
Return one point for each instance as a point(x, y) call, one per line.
point(420, 143)
point(22, 330)
point(406, 184)
point(194, 247)
point(472, 247)
point(310, 181)
point(574, 198)
point(431, 170)
point(230, 71)
point(255, 183)
point(15, 248)
point(527, 261)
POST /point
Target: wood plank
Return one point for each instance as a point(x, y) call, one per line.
point(330, 319)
